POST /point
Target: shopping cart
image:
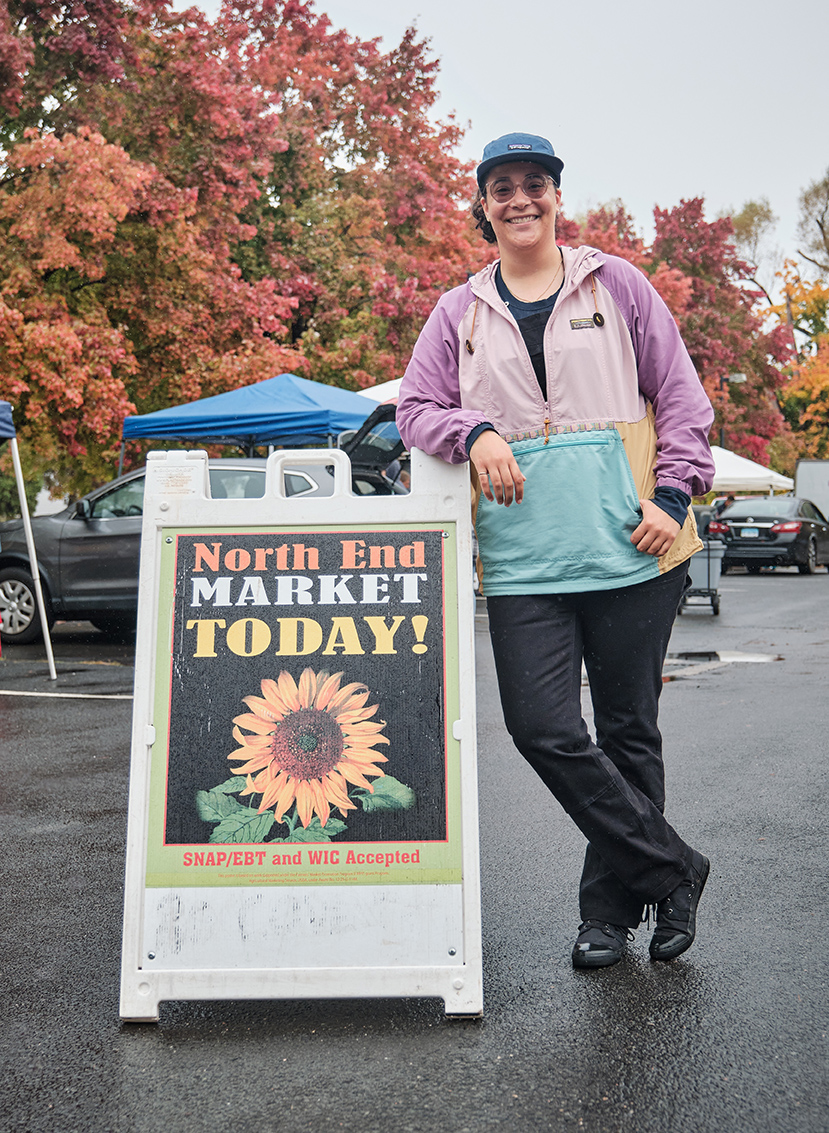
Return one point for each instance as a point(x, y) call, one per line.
point(704, 570)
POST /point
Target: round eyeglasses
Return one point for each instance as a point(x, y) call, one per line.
point(534, 186)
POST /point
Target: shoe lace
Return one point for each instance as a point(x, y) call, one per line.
point(608, 929)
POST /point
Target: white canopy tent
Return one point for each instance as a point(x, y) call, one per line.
point(385, 391)
point(737, 474)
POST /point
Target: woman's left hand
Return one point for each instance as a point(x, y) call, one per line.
point(657, 531)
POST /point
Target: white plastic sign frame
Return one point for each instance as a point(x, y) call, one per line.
point(362, 878)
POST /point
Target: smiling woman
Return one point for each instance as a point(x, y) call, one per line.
point(559, 374)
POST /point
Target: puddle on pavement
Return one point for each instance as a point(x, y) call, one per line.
point(688, 664)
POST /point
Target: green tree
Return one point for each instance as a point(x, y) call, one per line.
point(813, 226)
point(754, 226)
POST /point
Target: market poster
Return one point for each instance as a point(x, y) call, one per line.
point(304, 680)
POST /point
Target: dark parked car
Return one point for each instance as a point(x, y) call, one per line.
point(773, 531)
point(88, 553)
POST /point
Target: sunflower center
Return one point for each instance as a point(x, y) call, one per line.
point(307, 744)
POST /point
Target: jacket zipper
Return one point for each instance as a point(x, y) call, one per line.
point(546, 401)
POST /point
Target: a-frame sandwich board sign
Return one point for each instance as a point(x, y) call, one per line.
point(303, 796)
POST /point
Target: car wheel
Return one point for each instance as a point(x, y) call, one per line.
point(753, 568)
point(117, 627)
point(810, 566)
point(19, 615)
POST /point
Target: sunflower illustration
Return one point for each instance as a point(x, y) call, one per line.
point(309, 741)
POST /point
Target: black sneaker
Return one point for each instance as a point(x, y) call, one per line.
point(676, 914)
point(600, 944)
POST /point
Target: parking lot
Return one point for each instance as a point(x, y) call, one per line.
point(731, 1035)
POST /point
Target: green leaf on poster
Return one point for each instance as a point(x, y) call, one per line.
point(232, 786)
point(316, 832)
point(214, 805)
point(389, 794)
point(247, 825)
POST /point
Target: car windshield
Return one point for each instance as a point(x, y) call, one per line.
point(763, 505)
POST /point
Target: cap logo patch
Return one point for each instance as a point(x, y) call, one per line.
point(522, 145)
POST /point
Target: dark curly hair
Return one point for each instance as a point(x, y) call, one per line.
point(479, 216)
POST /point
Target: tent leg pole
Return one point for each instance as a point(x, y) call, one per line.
point(121, 459)
point(30, 543)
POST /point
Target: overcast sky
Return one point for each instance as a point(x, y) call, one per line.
point(648, 102)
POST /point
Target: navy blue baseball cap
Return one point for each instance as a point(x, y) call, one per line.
point(519, 147)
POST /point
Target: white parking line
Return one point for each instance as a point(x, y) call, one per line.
point(70, 695)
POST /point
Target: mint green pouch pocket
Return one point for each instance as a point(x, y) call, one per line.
point(572, 531)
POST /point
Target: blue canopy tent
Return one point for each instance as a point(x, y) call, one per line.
point(285, 410)
point(6, 423)
point(7, 433)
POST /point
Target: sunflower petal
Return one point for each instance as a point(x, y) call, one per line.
point(320, 801)
point(271, 693)
point(366, 727)
point(304, 802)
point(256, 763)
point(254, 723)
point(263, 708)
point(241, 753)
point(336, 790)
point(364, 743)
point(362, 764)
point(288, 691)
point(357, 715)
point(350, 772)
point(307, 689)
point(250, 789)
point(353, 704)
point(248, 742)
point(326, 688)
point(286, 797)
point(343, 697)
point(272, 790)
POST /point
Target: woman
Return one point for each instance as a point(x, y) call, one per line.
point(560, 375)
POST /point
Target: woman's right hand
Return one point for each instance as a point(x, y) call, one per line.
point(502, 481)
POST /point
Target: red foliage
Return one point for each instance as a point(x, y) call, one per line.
point(190, 205)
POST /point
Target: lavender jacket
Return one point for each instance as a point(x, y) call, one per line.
point(625, 411)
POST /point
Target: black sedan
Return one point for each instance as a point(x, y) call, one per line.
point(88, 553)
point(772, 531)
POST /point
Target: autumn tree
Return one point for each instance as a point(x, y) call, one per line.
point(805, 402)
point(363, 218)
point(804, 398)
point(754, 226)
point(813, 225)
point(804, 312)
point(694, 265)
point(261, 193)
point(188, 205)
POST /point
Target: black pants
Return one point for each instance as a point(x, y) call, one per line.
point(614, 789)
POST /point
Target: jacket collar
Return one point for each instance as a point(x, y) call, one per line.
point(578, 264)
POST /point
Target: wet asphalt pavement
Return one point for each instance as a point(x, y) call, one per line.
point(731, 1036)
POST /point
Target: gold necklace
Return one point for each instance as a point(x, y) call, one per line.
point(560, 268)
